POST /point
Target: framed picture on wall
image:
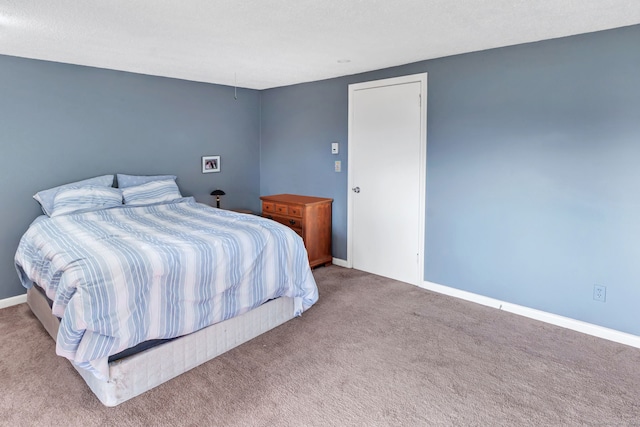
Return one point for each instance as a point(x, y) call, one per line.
point(210, 164)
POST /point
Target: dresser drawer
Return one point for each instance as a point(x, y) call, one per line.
point(268, 207)
point(295, 211)
point(282, 209)
point(295, 223)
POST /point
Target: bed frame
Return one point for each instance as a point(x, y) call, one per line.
point(133, 375)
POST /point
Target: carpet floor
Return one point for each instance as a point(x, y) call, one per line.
point(371, 352)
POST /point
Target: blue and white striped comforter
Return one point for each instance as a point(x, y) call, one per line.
point(121, 276)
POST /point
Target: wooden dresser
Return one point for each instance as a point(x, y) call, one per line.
point(310, 217)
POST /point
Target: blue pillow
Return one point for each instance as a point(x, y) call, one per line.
point(75, 199)
point(125, 181)
point(151, 192)
point(45, 197)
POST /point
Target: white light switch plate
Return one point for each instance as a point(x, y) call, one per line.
point(334, 148)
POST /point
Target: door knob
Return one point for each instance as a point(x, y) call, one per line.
point(356, 189)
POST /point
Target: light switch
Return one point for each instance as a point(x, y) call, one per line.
point(338, 166)
point(334, 148)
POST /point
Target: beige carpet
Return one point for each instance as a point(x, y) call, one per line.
point(372, 352)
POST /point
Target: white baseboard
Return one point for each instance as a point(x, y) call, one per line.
point(8, 302)
point(340, 262)
point(543, 316)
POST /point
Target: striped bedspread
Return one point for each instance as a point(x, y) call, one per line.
point(121, 276)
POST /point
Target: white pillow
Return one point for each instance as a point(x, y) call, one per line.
point(164, 190)
point(45, 197)
point(125, 181)
point(74, 199)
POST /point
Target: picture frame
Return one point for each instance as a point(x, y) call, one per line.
point(210, 164)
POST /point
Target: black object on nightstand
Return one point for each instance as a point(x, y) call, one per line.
point(217, 193)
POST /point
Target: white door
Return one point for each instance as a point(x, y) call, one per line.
point(387, 163)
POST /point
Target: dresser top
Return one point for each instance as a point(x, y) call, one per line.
point(296, 199)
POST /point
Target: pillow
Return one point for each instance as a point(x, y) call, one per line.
point(125, 181)
point(74, 199)
point(45, 197)
point(152, 192)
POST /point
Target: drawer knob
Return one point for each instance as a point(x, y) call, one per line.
point(292, 222)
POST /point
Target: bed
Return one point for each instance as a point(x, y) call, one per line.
point(177, 280)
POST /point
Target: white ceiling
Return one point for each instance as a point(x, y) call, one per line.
point(269, 43)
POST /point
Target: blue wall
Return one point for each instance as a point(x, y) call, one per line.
point(60, 123)
point(532, 170)
point(298, 125)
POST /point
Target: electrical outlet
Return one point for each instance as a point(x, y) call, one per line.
point(337, 166)
point(599, 293)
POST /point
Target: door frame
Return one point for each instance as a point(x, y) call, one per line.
point(422, 78)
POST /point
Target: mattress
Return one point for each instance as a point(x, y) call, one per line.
point(133, 375)
point(125, 353)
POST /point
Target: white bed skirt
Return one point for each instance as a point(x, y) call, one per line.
point(133, 375)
